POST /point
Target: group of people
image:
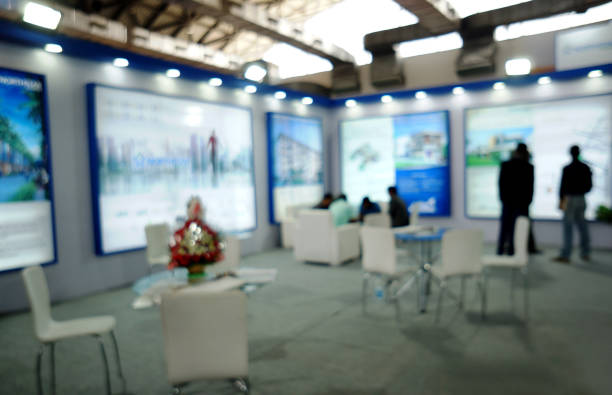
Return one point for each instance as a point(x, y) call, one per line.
point(342, 212)
point(516, 181)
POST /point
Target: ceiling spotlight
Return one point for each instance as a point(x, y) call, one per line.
point(307, 100)
point(41, 15)
point(420, 95)
point(458, 90)
point(498, 86)
point(215, 81)
point(350, 103)
point(386, 98)
point(173, 73)
point(595, 73)
point(518, 66)
point(255, 72)
point(250, 89)
point(280, 95)
point(121, 62)
point(53, 48)
point(544, 80)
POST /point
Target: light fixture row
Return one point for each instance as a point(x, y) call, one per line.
point(459, 90)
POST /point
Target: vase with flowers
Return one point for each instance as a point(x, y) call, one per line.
point(195, 245)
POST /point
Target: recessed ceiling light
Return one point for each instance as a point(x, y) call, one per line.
point(386, 98)
point(41, 15)
point(280, 95)
point(307, 100)
point(595, 73)
point(53, 48)
point(498, 86)
point(121, 62)
point(518, 66)
point(420, 95)
point(173, 73)
point(458, 90)
point(544, 80)
point(350, 103)
point(250, 89)
point(215, 81)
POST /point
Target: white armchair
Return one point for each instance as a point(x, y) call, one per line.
point(287, 224)
point(231, 259)
point(316, 239)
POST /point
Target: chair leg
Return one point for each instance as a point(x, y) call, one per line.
point(105, 361)
point(364, 288)
point(439, 309)
point(38, 369)
point(512, 281)
point(485, 286)
point(526, 290)
point(462, 294)
point(121, 376)
point(52, 354)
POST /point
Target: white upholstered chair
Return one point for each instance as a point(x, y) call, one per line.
point(158, 244)
point(205, 336)
point(381, 220)
point(379, 260)
point(316, 239)
point(48, 331)
point(460, 257)
point(231, 255)
point(288, 223)
point(517, 262)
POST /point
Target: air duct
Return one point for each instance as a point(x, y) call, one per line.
point(345, 78)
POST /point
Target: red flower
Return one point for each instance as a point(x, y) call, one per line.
point(195, 243)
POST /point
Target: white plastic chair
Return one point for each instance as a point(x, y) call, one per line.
point(205, 336)
point(48, 331)
point(231, 259)
point(318, 240)
point(460, 256)
point(517, 262)
point(158, 240)
point(379, 259)
point(381, 220)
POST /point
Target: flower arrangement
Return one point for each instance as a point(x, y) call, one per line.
point(195, 244)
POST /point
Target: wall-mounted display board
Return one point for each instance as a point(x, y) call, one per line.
point(150, 153)
point(410, 151)
point(26, 195)
point(549, 129)
point(295, 158)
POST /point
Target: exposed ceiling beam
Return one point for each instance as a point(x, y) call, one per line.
point(208, 31)
point(157, 12)
point(123, 7)
point(430, 16)
point(245, 24)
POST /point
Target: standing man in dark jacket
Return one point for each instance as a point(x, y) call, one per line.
point(515, 193)
point(576, 181)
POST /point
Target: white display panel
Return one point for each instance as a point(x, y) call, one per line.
point(26, 198)
point(548, 129)
point(296, 162)
point(150, 153)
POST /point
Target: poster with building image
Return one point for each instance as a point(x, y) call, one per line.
point(409, 151)
point(549, 129)
point(26, 204)
point(295, 163)
point(151, 153)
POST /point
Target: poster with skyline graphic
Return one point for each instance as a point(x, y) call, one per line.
point(26, 219)
point(295, 164)
point(151, 153)
point(549, 129)
point(409, 151)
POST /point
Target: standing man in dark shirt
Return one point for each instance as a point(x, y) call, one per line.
point(515, 193)
point(397, 209)
point(576, 181)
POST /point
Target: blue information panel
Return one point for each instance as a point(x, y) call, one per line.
point(26, 193)
point(410, 151)
point(295, 162)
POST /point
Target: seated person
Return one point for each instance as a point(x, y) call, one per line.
point(368, 207)
point(327, 200)
point(341, 211)
point(397, 209)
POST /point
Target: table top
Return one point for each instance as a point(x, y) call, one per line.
point(431, 234)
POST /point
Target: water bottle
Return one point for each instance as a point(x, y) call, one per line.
point(379, 292)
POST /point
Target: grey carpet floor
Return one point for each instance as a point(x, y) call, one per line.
point(309, 335)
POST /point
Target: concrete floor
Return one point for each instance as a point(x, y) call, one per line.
point(308, 335)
